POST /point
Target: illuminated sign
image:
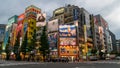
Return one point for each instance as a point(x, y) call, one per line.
point(59, 11)
point(67, 41)
point(67, 31)
point(68, 50)
point(52, 38)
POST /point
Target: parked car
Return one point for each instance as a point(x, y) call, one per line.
point(118, 58)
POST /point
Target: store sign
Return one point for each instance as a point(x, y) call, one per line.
point(68, 50)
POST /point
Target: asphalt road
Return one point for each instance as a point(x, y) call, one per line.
point(91, 64)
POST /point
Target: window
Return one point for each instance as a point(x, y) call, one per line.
point(32, 23)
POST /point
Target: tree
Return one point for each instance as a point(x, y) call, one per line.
point(16, 47)
point(31, 46)
point(44, 43)
point(7, 49)
point(94, 51)
point(24, 45)
point(33, 41)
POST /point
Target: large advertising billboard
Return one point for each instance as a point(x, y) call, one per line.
point(20, 21)
point(67, 31)
point(52, 38)
point(68, 50)
point(67, 40)
point(21, 17)
point(11, 20)
point(41, 19)
point(75, 13)
point(53, 25)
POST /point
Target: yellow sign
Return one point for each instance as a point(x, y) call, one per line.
point(68, 50)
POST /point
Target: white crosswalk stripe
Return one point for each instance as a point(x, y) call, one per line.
point(13, 63)
point(18, 63)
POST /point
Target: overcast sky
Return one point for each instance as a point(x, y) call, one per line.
point(109, 9)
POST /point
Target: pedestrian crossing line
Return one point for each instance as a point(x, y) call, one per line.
point(13, 64)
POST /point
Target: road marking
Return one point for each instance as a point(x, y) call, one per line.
point(12, 64)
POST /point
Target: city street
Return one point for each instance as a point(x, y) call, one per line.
point(88, 64)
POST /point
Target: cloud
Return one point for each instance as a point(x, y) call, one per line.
point(98, 3)
point(114, 19)
point(109, 9)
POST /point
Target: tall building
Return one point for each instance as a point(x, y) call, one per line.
point(41, 22)
point(52, 29)
point(8, 30)
point(2, 34)
point(101, 30)
point(118, 46)
point(19, 29)
point(113, 41)
point(109, 42)
point(13, 34)
point(86, 36)
point(30, 18)
point(73, 15)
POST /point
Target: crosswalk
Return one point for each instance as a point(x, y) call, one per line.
point(99, 62)
point(102, 62)
point(13, 63)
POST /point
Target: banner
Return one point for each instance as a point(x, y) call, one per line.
point(67, 31)
point(68, 41)
point(68, 50)
point(52, 38)
point(41, 19)
point(53, 25)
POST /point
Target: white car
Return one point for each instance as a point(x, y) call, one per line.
point(118, 57)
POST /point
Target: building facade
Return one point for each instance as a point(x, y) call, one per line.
point(113, 41)
point(30, 18)
point(8, 30)
point(118, 46)
point(52, 29)
point(2, 35)
point(102, 36)
point(73, 15)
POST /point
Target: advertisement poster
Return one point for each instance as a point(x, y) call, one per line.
point(67, 31)
point(68, 50)
point(53, 25)
point(52, 38)
point(41, 19)
point(68, 41)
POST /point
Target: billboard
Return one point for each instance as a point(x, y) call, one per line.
point(13, 19)
point(21, 17)
point(20, 21)
point(67, 31)
point(68, 50)
point(53, 25)
point(52, 38)
point(75, 13)
point(41, 19)
point(67, 41)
